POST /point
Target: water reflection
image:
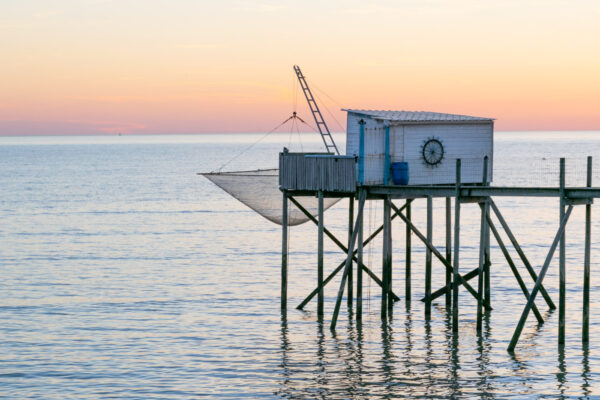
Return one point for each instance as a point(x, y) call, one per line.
point(418, 357)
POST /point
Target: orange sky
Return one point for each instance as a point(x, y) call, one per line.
point(155, 66)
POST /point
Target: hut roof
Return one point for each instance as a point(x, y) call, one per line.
point(418, 116)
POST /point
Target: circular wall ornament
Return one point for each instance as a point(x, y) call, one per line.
point(432, 152)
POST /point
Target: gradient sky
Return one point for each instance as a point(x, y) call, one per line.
point(158, 66)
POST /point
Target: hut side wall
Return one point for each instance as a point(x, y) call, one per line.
point(469, 142)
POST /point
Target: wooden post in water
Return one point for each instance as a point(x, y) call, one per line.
point(407, 278)
point(487, 258)
point(586, 261)
point(456, 251)
point(284, 251)
point(359, 271)
point(448, 252)
point(350, 273)
point(428, 258)
point(386, 256)
point(561, 262)
point(482, 251)
point(362, 194)
point(320, 298)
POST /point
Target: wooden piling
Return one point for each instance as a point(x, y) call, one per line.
point(482, 246)
point(455, 276)
point(350, 273)
point(359, 271)
point(407, 262)
point(362, 195)
point(487, 257)
point(320, 299)
point(482, 251)
point(284, 251)
point(561, 262)
point(386, 256)
point(448, 252)
point(586, 261)
point(428, 257)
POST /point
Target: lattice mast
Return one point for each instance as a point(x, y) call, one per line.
point(314, 108)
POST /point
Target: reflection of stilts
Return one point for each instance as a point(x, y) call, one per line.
point(482, 194)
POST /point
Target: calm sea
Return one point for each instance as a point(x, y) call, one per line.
point(126, 275)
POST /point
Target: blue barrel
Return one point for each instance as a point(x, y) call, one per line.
point(400, 173)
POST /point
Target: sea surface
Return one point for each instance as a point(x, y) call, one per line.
point(124, 274)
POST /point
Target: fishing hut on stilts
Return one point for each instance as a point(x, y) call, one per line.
point(407, 157)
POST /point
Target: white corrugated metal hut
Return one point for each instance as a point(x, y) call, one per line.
point(429, 142)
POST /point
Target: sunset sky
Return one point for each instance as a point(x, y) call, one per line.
point(194, 66)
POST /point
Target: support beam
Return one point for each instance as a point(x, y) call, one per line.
point(444, 290)
point(407, 262)
point(538, 282)
point(586, 260)
point(456, 275)
point(284, 251)
point(562, 271)
point(386, 257)
point(428, 258)
point(359, 270)
point(487, 257)
point(350, 273)
point(320, 298)
point(480, 288)
point(482, 250)
point(361, 205)
point(517, 247)
point(448, 252)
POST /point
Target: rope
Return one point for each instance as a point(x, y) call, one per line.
point(253, 144)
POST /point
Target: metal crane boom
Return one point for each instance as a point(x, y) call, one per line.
point(314, 108)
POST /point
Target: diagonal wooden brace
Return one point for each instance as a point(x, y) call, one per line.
point(361, 206)
point(519, 250)
point(345, 249)
point(513, 267)
point(538, 282)
point(435, 251)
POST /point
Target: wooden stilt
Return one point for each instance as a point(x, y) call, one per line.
point(448, 252)
point(359, 270)
point(521, 254)
point(320, 298)
point(538, 282)
point(351, 272)
point(561, 260)
point(428, 257)
point(482, 250)
point(513, 268)
point(482, 245)
point(284, 251)
point(487, 264)
point(486, 255)
point(456, 276)
point(386, 256)
point(407, 262)
point(361, 205)
point(390, 302)
point(586, 261)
